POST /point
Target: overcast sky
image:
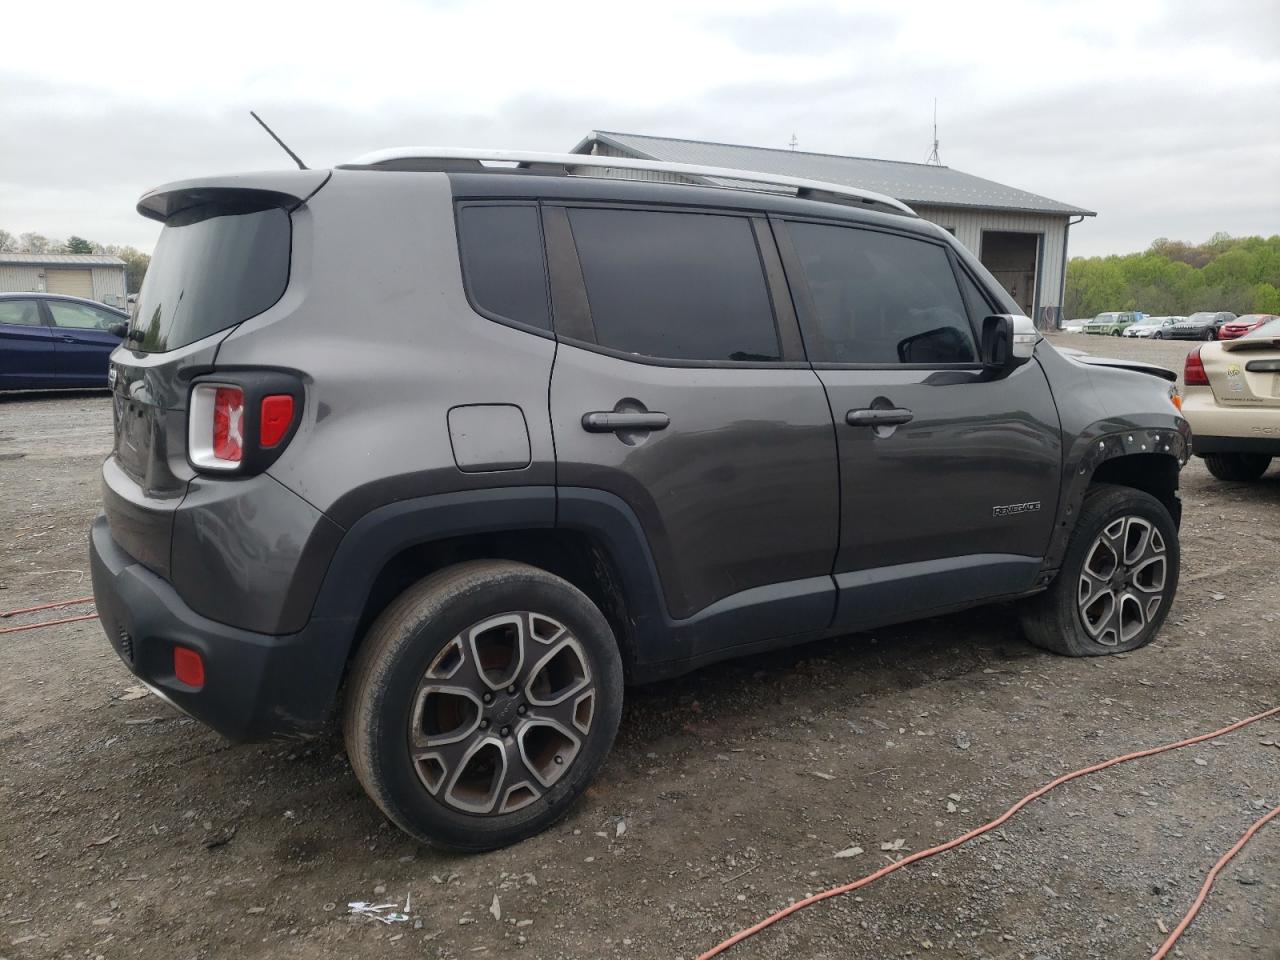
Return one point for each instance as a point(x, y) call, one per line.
point(1160, 116)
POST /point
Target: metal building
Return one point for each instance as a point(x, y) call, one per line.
point(1020, 237)
point(93, 276)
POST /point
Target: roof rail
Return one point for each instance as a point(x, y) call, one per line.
point(425, 158)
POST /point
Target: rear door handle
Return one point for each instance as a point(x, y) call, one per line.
point(892, 417)
point(66, 339)
point(611, 421)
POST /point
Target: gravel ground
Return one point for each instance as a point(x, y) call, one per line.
point(130, 831)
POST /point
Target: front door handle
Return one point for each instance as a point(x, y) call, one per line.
point(612, 421)
point(890, 417)
point(66, 339)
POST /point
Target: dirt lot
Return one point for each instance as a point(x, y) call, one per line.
point(129, 831)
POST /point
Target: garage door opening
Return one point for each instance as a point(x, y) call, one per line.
point(73, 283)
point(1013, 259)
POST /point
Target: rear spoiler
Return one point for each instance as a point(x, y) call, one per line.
point(1251, 343)
point(278, 188)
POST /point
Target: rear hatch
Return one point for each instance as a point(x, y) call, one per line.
point(222, 257)
point(1245, 372)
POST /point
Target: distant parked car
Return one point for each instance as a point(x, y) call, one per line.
point(1231, 401)
point(1111, 324)
point(1242, 325)
point(1199, 326)
point(1075, 326)
point(50, 342)
point(1151, 327)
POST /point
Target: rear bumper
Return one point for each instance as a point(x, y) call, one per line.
point(256, 686)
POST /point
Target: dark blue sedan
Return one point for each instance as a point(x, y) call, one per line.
point(52, 342)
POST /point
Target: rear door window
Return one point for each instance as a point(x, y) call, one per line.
point(503, 264)
point(881, 298)
point(214, 267)
point(19, 313)
point(674, 285)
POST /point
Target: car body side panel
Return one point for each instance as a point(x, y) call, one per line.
point(739, 492)
point(1095, 430)
point(27, 358)
point(343, 460)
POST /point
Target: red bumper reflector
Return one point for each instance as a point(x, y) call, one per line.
point(277, 418)
point(188, 666)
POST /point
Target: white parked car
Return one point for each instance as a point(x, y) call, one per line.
point(1232, 401)
point(1152, 327)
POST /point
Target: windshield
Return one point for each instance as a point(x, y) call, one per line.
point(1202, 317)
point(213, 268)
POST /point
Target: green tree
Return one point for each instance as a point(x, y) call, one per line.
point(76, 244)
point(135, 266)
point(1240, 274)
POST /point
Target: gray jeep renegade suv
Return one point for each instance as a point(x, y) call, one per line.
point(456, 452)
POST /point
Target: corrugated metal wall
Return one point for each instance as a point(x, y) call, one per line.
point(969, 224)
point(19, 278)
point(603, 150)
point(108, 285)
point(108, 282)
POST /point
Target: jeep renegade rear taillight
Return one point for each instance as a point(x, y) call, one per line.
point(1193, 374)
point(242, 426)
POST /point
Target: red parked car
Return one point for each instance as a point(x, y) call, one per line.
point(1242, 325)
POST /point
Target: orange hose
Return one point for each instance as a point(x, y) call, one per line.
point(976, 832)
point(46, 606)
point(48, 623)
point(1208, 885)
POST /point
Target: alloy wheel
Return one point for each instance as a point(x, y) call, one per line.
point(1122, 582)
point(501, 713)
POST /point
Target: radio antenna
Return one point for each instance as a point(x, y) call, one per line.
point(933, 156)
point(283, 146)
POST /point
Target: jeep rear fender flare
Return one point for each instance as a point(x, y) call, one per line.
point(382, 533)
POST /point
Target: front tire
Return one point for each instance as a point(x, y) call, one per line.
point(1117, 581)
point(482, 703)
point(1209, 335)
point(1237, 466)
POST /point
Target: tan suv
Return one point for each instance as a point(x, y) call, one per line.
point(1233, 403)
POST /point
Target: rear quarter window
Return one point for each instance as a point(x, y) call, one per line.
point(503, 265)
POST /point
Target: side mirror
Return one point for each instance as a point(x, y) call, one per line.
point(118, 329)
point(1008, 341)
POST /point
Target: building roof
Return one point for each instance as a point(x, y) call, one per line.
point(61, 260)
point(913, 183)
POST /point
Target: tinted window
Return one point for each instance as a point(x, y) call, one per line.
point(212, 268)
point(882, 298)
point(979, 304)
point(22, 313)
point(80, 316)
point(682, 286)
point(502, 262)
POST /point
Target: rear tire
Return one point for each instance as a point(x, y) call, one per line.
point(1117, 581)
point(1237, 466)
point(482, 703)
